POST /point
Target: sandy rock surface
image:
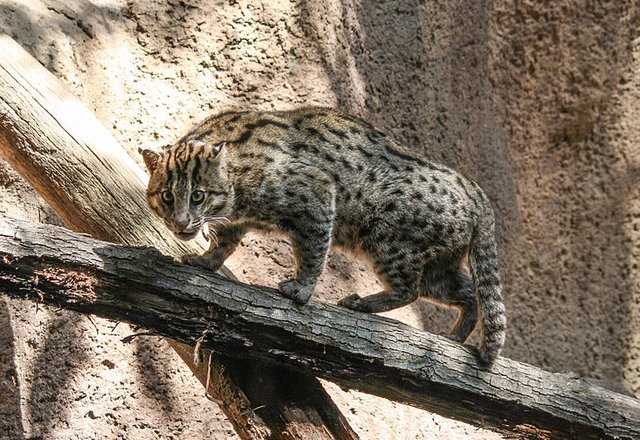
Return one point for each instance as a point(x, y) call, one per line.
point(539, 104)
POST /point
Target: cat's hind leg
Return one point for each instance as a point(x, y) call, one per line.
point(400, 274)
point(451, 284)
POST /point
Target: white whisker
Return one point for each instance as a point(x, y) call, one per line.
point(210, 234)
point(214, 219)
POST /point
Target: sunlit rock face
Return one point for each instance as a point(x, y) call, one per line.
point(539, 105)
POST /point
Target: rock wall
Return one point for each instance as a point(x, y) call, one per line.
point(537, 101)
point(565, 78)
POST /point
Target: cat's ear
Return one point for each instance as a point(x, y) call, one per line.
point(151, 159)
point(217, 149)
point(212, 149)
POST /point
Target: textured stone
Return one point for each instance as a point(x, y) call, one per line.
point(537, 101)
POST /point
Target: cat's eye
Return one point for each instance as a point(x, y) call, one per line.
point(166, 196)
point(197, 197)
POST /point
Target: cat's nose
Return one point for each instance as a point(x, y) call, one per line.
point(181, 222)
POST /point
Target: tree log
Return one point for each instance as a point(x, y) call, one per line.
point(366, 352)
point(59, 147)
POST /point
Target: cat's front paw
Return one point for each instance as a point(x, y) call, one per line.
point(353, 302)
point(298, 292)
point(197, 260)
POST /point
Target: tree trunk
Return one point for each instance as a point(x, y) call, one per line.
point(366, 352)
point(62, 150)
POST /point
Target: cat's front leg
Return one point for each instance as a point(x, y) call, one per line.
point(310, 243)
point(228, 238)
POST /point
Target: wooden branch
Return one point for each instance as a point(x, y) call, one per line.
point(369, 353)
point(60, 148)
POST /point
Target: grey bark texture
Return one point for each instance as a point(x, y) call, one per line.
point(365, 352)
point(57, 145)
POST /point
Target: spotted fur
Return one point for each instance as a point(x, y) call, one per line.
point(323, 177)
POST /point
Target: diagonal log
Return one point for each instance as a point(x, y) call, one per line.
point(369, 353)
point(59, 147)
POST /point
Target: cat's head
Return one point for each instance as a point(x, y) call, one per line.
point(189, 186)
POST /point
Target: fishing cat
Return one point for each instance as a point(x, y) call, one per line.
point(324, 177)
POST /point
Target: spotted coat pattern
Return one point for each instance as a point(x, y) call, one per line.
point(324, 177)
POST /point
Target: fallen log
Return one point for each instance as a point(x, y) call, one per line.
point(58, 146)
point(369, 353)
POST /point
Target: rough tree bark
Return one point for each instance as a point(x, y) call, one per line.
point(373, 354)
point(62, 150)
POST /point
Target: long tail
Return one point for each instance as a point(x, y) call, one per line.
point(483, 262)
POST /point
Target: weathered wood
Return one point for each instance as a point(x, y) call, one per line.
point(70, 159)
point(369, 353)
